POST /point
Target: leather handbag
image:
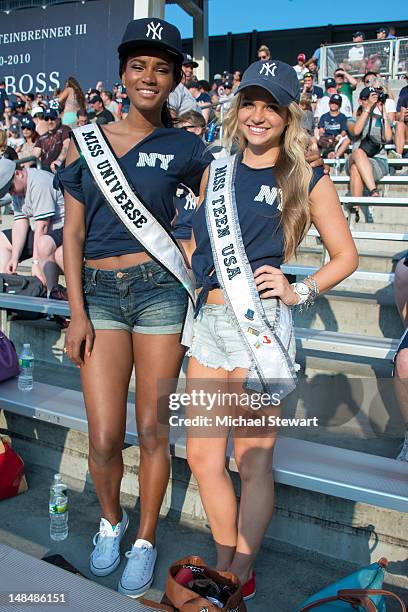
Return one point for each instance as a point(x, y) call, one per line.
point(226, 588)
point(360, 591)
point(8, 359)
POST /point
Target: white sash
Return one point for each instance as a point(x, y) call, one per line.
point(267, 343)
point(125, 203)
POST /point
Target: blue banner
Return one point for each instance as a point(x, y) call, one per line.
point(41, 48)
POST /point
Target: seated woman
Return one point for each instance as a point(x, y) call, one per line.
point(368, 163)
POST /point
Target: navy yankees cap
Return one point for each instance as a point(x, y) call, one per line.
point(365, 93)
point(330, 83)
point(336, 99)
point(188, 61)
point(275, 76)
point(28, 123)
point(383, 30)
point(359, 34)
point(152, 32)
point(50, 113)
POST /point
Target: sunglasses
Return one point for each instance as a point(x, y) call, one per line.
point(263, 57)
point(188, 127)
point(49, 119)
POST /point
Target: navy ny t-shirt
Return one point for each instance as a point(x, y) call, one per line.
point(402, 98)
point(259, 214)
point(185, 203)
point(155, 166)
point(333, 126)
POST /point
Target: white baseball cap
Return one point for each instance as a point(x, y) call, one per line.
point(7, 170)
point(36, 111)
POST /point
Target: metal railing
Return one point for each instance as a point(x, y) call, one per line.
point(401, 57)
point(387, 57)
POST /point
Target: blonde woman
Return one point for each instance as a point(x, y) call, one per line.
point(256, 208)
point(5, 150)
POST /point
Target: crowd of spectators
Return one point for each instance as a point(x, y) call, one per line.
point(36, 129)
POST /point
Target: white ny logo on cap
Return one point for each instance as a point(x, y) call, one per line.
point(268, 68)
point(154, 30)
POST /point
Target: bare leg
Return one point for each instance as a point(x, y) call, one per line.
point(343, 147)
point(5, 252)
point(206, 458)
point(401, 290)
point(157, 358)
point(254, 461)
point(105, 381)
point(365, 170)
point(356, 183)
point(46, 252)
point(401, 135)
point(59, 258)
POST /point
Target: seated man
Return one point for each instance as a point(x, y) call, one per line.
point(309, 88)
point(323, 103)
point(332, 128)
point(38, 221)
point(401, 126)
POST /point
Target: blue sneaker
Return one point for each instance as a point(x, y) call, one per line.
point(105, 557)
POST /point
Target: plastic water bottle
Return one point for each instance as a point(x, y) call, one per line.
point(26, 362)
point(58, 509)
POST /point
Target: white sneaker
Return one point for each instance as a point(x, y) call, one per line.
point(105, 557)
point(403, 454)
point(138, 574)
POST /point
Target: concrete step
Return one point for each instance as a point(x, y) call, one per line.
point(350, 312)
point(300, 572)
point(370, 261)
point(317, 523)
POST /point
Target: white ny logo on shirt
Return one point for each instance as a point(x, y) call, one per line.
point(154, 30)
point(268, 195)
point(268, 68)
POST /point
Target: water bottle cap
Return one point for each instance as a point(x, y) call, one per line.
point(27, 345)
point(57, 477)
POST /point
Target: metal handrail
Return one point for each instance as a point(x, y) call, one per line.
point(30, 158)
point(393, 60)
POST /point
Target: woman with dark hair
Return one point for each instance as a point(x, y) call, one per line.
point(29, 148)
point(72, 99)
point(127, 303)
point(367, 164)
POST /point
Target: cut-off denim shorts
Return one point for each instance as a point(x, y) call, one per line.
point(216, 341)
point(144, 299)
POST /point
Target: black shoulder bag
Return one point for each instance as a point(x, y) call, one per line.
point(370, 146)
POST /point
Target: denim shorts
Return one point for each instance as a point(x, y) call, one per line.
point(216, 341)
point(144, 299)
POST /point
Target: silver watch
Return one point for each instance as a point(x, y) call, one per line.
point(302, 290)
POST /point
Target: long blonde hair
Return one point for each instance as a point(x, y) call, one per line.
point(3, 141)
point(292, 172)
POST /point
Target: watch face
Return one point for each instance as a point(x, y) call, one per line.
point(302, 289)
